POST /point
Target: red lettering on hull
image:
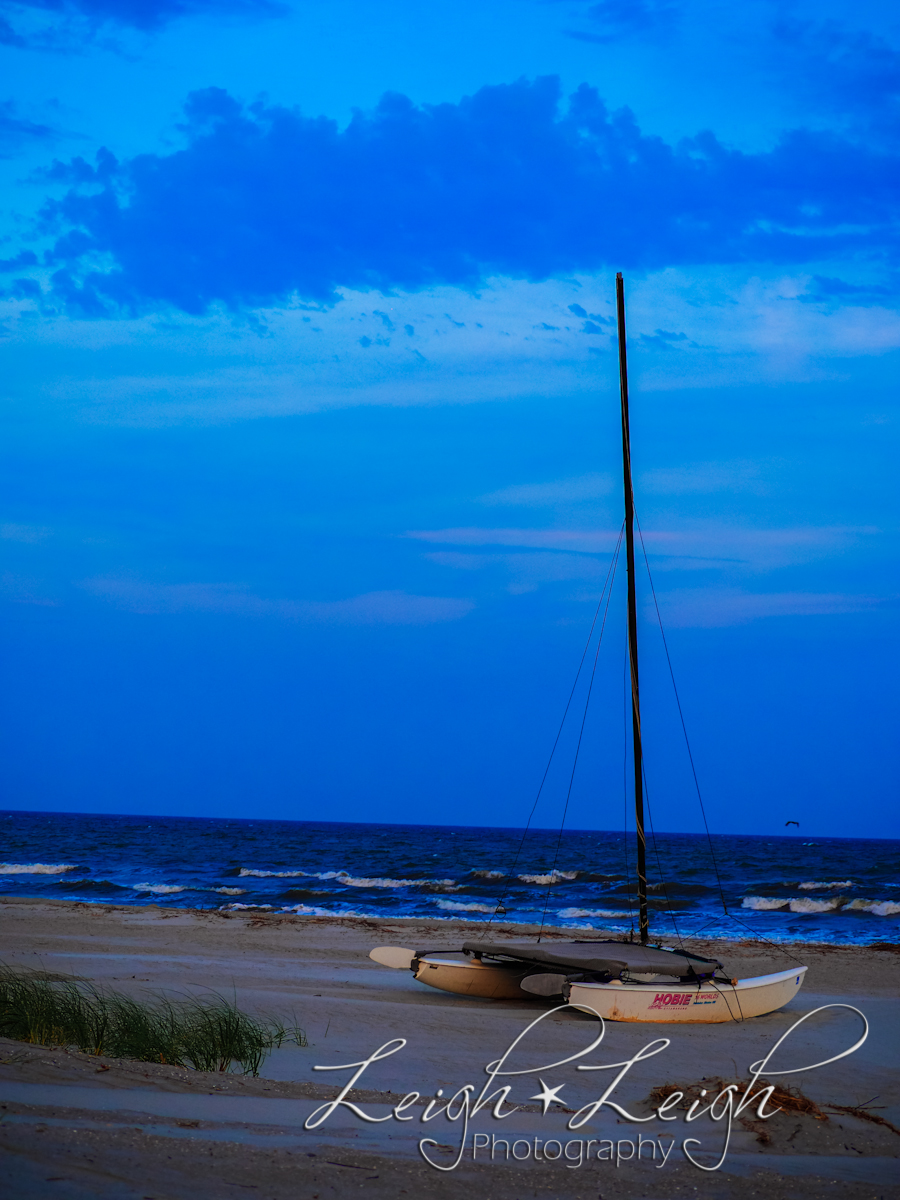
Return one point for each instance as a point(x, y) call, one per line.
point(665, 999)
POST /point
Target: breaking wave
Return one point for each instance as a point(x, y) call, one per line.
point(805, 904)
point(840, 886)
point(878, 908)
point(458, 906)
point(348, 880)
point(244, 907)
point(488, 874)
point(246, 871)
point(310, 910)
point(571, 914)
point(230, 891)
point(802, 904)
point(378, 882)
point(36, 868)
point(550, 877)
point(162, 889)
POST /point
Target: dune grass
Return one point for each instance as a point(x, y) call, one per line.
point(208, 1034)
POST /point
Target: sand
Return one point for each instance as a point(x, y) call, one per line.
point(75, 1126)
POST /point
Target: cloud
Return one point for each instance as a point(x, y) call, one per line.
point(848, 72)
point(23, 533)
point(527, 571)
point(25, 258)
point(823, 289)
point(561, 491)
point(74, 20)
point(371, 608)
point(703, 545)
point(663, 339)
point(15, 130)
point(708, 607)
point(612, 20)
point(508, 182)
point(586, 541)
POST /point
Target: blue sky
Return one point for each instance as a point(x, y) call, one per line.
point(310, 462)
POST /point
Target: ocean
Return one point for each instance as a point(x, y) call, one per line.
point(840, 890)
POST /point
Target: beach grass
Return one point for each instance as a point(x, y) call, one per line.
point(208, 1033)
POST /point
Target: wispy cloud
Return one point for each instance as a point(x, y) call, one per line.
point(546, 495)
point(702, 545)
point(586, 541)
point(16, 130)
point(613, 20)
point(708, 607)
point(527, 571)
point(24, 533)
point(371, 608)
point(828, 291)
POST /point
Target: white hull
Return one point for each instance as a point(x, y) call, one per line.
point(680, 1003)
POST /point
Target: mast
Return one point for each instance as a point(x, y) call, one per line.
point(632, 618)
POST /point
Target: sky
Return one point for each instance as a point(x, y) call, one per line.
point(310, 472)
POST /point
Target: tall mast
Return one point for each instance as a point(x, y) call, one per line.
point(632, 618)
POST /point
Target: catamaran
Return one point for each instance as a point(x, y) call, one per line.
point(620, 980)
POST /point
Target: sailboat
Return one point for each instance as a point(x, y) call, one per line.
point(619, 980)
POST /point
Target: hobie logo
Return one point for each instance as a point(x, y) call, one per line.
point(664, 999)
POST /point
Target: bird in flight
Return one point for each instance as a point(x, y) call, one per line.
point(797, 823)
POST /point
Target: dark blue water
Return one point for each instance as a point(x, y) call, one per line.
point(832, 889)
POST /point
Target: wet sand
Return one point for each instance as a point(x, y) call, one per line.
point(75, 1126)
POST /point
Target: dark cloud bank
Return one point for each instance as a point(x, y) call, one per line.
point(262, 202)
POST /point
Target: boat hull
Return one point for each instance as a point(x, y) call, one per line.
point(708, 1004)
point(468, 977)
point(665, 1003)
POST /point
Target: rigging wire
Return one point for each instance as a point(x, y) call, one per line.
point(587, 702)
point(687, 743)
point(731, 916)
point(760, 937)
point(662, 877)
point(737, 999)
point(671, 913)
point(500, 910)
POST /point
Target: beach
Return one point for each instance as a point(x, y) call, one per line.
point(78, 1126)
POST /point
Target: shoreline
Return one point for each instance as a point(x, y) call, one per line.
point(461, 927)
